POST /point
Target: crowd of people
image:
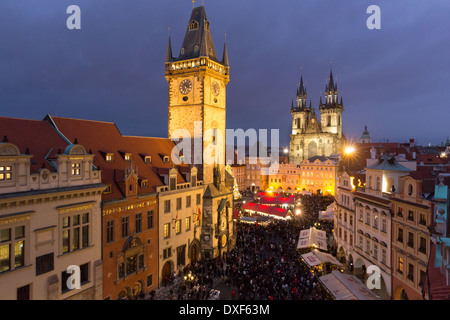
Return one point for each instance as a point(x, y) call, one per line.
point(264, 265)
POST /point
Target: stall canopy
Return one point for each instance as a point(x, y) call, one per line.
point(312, 238)
point(347, 287)
point(316, 257)
point(328, 214)
point(274, 212)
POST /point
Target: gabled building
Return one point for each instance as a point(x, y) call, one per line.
point(140, 176)
point(50, 215)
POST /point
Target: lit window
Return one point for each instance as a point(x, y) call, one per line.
point(5, 173)
point(12, 248)
point(178, 227)
point(148, 160)
point(109, 157)
point(188, 223)
point(128, 157)
point(76, 169)
point(166, 230)
point(75, 232)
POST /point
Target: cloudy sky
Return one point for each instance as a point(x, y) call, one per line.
point(396, 79)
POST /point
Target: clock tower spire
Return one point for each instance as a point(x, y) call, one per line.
point(197, 105)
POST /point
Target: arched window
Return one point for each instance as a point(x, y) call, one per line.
point(193, 25)
point(378, 184)
point(370, 182)
point(328, 121)
point(410, 190)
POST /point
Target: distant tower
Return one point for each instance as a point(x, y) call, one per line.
point(300, 112)
point(331, 111)
point(365, 138)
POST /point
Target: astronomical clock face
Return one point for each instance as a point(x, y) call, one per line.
point(185, 86)
point(215, 88)
point(223, 224)
point(224, 240)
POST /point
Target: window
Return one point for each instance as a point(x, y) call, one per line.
point(166, 159)
point(370, 182)
point(361, 241)
point(375, 220)
point(127, 157)
point(368, 218)
point(351, 239)
point(400, 212)
point(378, 184)
point(108, 189)
point(351, 220)
point(400, 235)
point(76, 169)
point(199, 199)
point(5, 173)
point(166, 206)
point(12, 248)
point(345, 217)
point(193, 25)
point(75, 232)
point(167, 253)
point(375, 251)
point(188, 223)
point(411, 215)
point(411, 271)
point(422, 278)
point(383, 224)
point(400, 265)
point(423, 245)
point(383, 256)
point(410, 239)
point(149, 280)
point(410, 190)
point(138, 223)
point(124, 227)
point(109, 157)
point(179, 205)
point(148, 159)
point(150, 219)
point(166, 230)
point(361, 215)
point(109, 231)
point(178, 227)
point(44, 263)
point(367, 246)
point(422, 219)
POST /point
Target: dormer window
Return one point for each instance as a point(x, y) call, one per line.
point(127, 157)
point(166, 159)
point(76, 169)
point(144, 184)
point(196, 48)
point(109, 157)
point(193, 25)
point(5, 173)
point(148, 159)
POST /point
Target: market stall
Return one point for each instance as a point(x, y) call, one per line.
point(320, 263)
point(312, 238)
point(343, 286)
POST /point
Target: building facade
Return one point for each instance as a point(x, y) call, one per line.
point(412, 214)
point(316, 135)
point(50, 215)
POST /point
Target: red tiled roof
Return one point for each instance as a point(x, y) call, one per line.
point(105, 137)
point(438, 288)
point(37, 136)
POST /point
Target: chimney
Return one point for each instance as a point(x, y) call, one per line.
point(411, 143)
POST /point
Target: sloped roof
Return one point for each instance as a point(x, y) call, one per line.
point(104, 136)
point(37, 136)
point(388, 163)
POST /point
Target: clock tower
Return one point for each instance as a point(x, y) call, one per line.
point(197, 104)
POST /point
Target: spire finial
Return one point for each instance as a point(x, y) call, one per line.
point(193, 4)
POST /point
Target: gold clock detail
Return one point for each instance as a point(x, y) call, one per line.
point(185, 86)
point(215, 88)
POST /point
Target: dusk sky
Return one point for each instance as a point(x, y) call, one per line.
point(396, 79)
